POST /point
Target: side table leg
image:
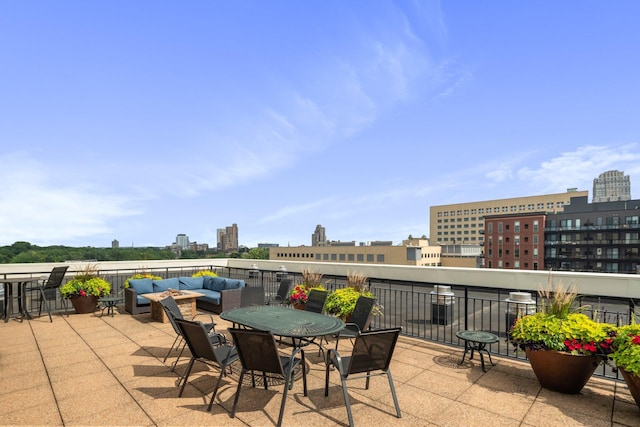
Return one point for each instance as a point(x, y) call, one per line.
point(466, 349)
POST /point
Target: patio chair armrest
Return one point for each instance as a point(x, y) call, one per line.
point(350, 326)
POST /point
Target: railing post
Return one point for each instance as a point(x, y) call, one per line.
point(466, 308)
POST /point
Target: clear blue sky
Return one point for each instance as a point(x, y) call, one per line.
point(139, 120)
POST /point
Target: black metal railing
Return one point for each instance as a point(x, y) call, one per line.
point(422, 313)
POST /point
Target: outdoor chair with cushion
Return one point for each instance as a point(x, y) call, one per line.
point(258, 352)
point(202, 350)
point(280, 298)
point(371, 355)
point(359, 320)
point(48, 290)
point(170, 307)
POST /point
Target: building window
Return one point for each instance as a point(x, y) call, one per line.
point(325, 257)
point(516, 227)
point(350, 257)
point(380, 258)
point(500, 227)
point(369, 257)
point(535, 226)
point(516, 264)
point(334, 257)
point(342, 257)
point(360, 257)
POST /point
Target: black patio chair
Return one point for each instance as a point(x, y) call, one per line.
point(173, 312)
point(202, 350)
point(316, 300)
point(359, 320)
point(372, 352)
point(280, 298)
point(48, 290)
point(258, 351)
point(315, 304)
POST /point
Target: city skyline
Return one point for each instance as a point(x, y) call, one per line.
point(138, 121)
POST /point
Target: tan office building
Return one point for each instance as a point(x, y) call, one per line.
point(463, 223)
point(411, 252)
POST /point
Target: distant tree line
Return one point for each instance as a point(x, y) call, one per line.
point(25, 252)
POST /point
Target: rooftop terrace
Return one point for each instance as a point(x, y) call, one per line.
point(92, 370)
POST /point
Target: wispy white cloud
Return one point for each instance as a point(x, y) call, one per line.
point(41, 210)
point(578, 168)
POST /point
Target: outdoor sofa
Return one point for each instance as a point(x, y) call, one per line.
point(220, 293)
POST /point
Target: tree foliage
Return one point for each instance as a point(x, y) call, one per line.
point(25, 252)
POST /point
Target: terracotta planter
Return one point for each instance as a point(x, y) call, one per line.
point(298, 305)
point(562, 372)
point(85, 305)
point(633, 382)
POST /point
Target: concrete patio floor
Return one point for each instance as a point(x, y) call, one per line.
point(92, 370)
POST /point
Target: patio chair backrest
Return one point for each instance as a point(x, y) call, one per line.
point(316, 300)
point(172, 311)
point(195, 334)
point(55, 277)
point(257, 350)
point(373, 350)
point(362, 312)
point(283, 289)
point(170, 304)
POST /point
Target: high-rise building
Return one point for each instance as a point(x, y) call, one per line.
point(319, 238)
point(611, 186)
point(463, 223)
point(228, 238)
point(182, 241)
point(115, 244)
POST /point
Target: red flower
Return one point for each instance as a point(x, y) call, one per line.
point(636, 339)
point(83, 293)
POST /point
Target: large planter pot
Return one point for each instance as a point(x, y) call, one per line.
point(562, 372)
point(85, 305)
point(633, 382)
point(298, 305)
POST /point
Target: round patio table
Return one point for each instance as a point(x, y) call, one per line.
point(477, 341)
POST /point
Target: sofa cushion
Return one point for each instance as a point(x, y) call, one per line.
point(141, 300)
point(212, 297)
point(233, 284)
point(191, 283)
point(165, 284)
point(214, 283)
point(142, 286)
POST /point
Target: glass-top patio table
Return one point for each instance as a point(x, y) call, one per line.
point(284, 322)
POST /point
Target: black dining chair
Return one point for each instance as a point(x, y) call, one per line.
point(280, 298)
point(315, 304)
point(371, 355)
point(316, 300)
point(258, 351)
point(202, 350)
point(48, 290)
point(171, 309)
point(359, 320)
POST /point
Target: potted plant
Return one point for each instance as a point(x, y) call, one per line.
point(563, 346)
point(141, 275)
point(85, 289)
point(342, 302)
point(626, 356)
